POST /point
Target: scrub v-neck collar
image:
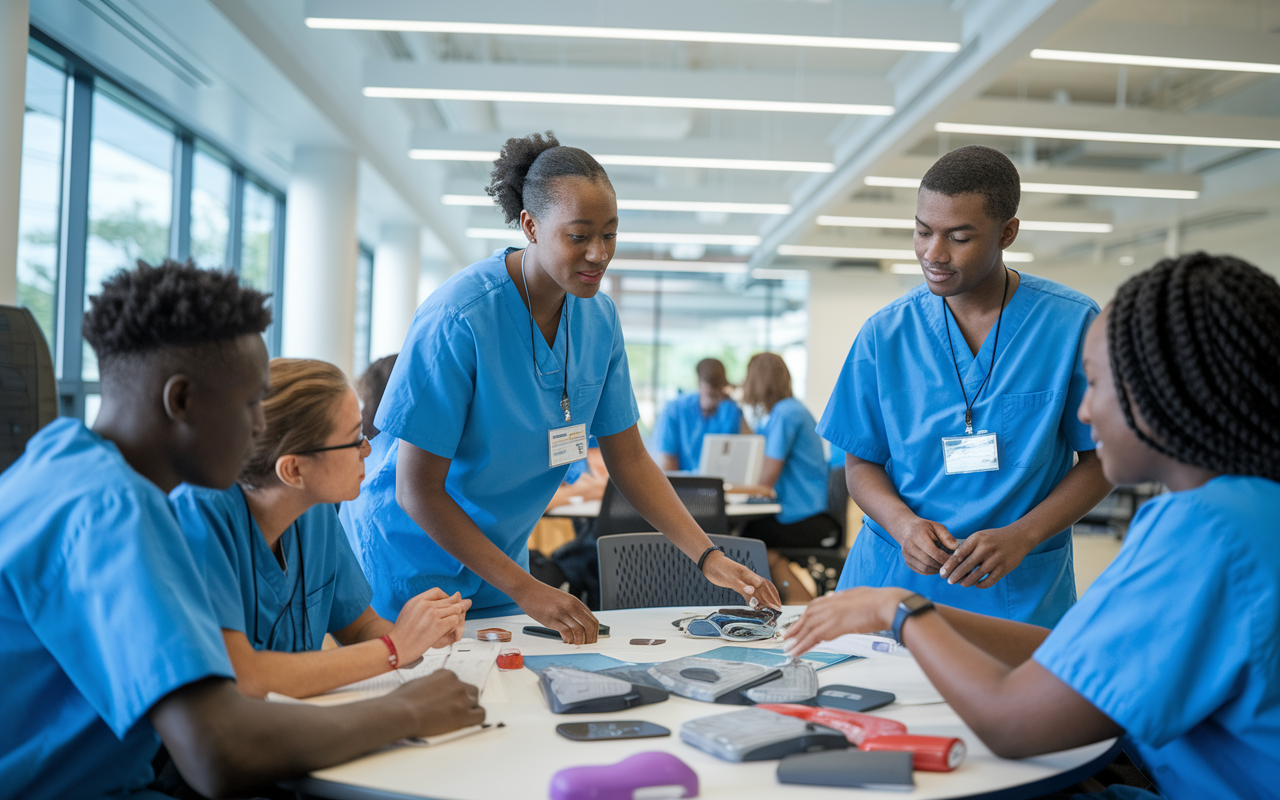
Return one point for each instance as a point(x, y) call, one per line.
point(270, 574)
point(549, 363)
point(974, 367)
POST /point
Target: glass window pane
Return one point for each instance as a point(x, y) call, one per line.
point(210, 211)
point(364, 309)
point(130, 196)
point(40, 195)
point(255, 249)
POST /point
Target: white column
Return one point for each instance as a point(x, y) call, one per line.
point(14, 21)
point(320, 256)
point(397, 263)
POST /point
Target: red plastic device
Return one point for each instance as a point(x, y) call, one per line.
point(929, 753)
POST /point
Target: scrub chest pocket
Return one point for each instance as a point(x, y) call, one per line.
point(1029, 428)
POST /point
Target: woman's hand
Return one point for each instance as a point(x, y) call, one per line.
point(986, 556)
point(559, 610)
point(862, 609)
point(724, 571)
point(431, 619)
point(926, 545)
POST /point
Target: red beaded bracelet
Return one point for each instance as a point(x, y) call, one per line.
point(394, 658)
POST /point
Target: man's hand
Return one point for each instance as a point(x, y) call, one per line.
point(926, 545)
point(431, 619)
point(862, 609)
point(985, 557)
point(559, 610)
point(724, 571)
point(441, 703)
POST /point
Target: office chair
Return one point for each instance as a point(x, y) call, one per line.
point(645, 570)
point(704, 497)
point(28, 389)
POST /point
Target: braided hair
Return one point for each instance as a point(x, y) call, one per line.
point(1195, 348)
point(525, 174)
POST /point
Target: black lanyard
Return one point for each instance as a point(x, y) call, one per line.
point(533, 343)
point(288, 606)
point(968, 405)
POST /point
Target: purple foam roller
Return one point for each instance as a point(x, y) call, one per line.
point(644, 776)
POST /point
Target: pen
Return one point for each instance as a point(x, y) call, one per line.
point(452, 735)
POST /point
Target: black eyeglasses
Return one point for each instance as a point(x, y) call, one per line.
point(361, 442)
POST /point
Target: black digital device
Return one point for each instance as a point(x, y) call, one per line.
point(548, 633)
point(613, 729)
point(852, 698)
point(883, 770)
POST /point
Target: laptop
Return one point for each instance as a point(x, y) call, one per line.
point(732, 457)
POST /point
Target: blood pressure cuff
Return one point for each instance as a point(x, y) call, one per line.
point(574, 691)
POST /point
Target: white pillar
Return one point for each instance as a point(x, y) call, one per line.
point(397, 263)
point(14, 21)
point(320, 256)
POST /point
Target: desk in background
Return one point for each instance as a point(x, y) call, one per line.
point(591, 509)
point(517, 762)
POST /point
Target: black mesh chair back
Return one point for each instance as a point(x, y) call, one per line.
point(645, 570)
point(704, 497)
point(28, 390)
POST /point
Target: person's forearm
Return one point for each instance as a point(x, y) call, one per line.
point(1006, 640)
point(1079, 491)
point(873, 491)
point(309, 673)
point(650, 492)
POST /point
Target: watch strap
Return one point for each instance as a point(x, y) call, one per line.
point(909, 607)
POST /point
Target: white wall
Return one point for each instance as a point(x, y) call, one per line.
point(13, 80)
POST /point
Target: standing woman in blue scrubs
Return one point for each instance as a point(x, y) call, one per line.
point(956, 408)
point(1175, 644)
point(507, 369)
point(279, 569)
point(690, 417)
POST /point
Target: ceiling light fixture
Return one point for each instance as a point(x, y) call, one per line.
point(640, 101)
point(1057, 188)
point(656, 265)
point(763, 274)
point(634, 237)
point(648, 205)
point(644, 161)
point(1105, 136)
point(640, 34)
point(1086, 57)
point(875, 253)
point(905, 224)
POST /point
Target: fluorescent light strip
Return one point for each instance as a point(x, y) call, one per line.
point(640, 101)
point(1105, 136)
point(1086, 57)
point(877, 253)
point(641, 34)
point(763, 274)
point(644, 161)
point(1024, 224)
point(655, 265)
point(1057, 188)
point(648, 205)
point(634, 237)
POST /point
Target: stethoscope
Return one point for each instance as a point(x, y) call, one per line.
point(288, 606)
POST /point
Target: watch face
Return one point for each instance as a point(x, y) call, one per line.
point(916, 602)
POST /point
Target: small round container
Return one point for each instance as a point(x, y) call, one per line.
point(493, 635)
point(510, 659)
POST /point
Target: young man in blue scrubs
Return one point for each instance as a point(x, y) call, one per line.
point(1175, 644)
point(956, 410)
point(689, 417)
point(106, 634)
point(507, 369)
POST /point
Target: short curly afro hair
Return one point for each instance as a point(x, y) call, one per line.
point(976, 169)
point(525, 173)
point(144, 310)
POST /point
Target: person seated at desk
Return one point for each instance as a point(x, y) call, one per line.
point(106, 633)
point(1175, 644)
point(690, 417)
point(279, 569)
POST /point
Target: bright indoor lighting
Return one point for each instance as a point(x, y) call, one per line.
point(648, 205)
point(645, 161)
point(1153, 61)
point(655, 265)
point(634, 237)
point(1057, 188)
point(904, 268)
point(1023, 224)
point(877, 253)
point(641, 34)
point(763, 274)
point(567, 98)
point(1105, 136)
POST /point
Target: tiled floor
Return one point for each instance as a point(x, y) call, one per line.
point(1093, 552)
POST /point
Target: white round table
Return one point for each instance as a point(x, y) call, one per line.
point(517, 761)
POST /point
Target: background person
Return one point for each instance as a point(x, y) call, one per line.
point(370, 388)
point(689, 417)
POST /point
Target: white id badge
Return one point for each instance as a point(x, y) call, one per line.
point(970, 453)
point(567, 445)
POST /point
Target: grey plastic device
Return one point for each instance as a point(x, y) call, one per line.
point(710, 679)
point(753, 734)
point(882, 769)
point(575, 691)
point(798, 684)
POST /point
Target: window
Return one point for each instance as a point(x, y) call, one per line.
point(256, 247)
point(364, 311)
point(211, 188)
point(40, 195)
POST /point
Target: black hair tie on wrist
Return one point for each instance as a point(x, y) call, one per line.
point(703, 559)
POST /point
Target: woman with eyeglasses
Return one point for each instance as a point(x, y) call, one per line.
point(278, 566)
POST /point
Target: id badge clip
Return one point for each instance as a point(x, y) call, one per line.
point(566, 445)
point(973, 452)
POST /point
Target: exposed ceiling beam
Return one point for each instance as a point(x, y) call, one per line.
point(837, 24)
point(1143, 44)
point(754, 90)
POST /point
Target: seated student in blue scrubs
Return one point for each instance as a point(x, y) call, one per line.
point(1175, 644)
point(507, 369)
point(106, 634)
point(689, 417)
point(278, 566)
point(956, 407)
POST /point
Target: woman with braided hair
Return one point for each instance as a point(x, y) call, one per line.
point(1175, 645)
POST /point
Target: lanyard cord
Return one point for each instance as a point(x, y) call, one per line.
point(968, 406)
point(533, 343)
point(302, 579)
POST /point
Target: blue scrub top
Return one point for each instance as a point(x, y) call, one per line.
point(1176, 640)
point(789, 438)
point(683, 427)
point(898, 395)
point(103, 612)
point(323, 587)
point(464, 388)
